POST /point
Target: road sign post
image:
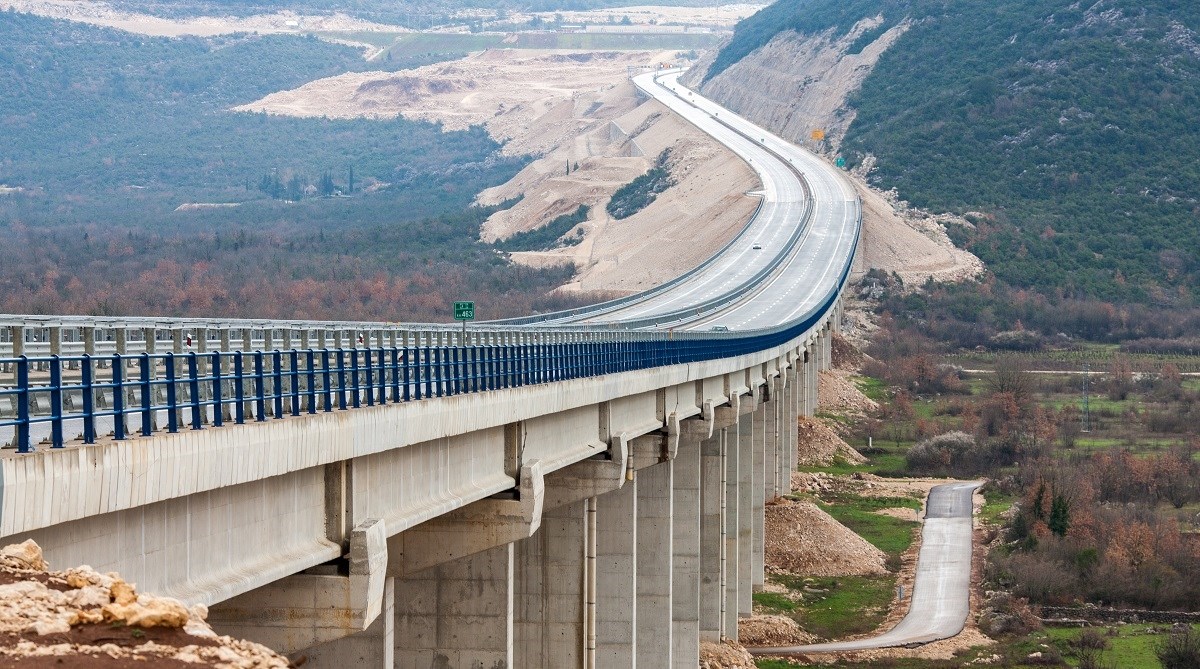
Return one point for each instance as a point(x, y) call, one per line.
point(464, 311)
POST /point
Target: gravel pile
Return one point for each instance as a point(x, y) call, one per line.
point(803, 540)
point(81, 618)
point(844, 355)
point(818, 445)
point(725, 655)
point(837, 393)
point(771, 630)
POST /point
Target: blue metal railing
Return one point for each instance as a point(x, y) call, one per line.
point(123, 395)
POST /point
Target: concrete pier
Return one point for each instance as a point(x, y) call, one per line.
point(655, 555)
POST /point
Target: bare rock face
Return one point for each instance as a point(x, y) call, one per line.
point(799, 83)
point(91, 619)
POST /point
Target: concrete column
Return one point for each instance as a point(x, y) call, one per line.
point(616, 577)
point(549, 596)
point(745, 573)
point(712, 537)
point(809, 379)
point(373, 647)
point(793, 391)
point(758, 501)
point(685, 546)
point(827, 348)
point(732, 521)
point(654, 554)
point(458, 614)
point(769, 432)
point(775, 435)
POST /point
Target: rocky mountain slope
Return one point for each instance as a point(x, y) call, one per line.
point(1065, 132)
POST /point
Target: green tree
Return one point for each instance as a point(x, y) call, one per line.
point(1060, 515)
point(325, 186)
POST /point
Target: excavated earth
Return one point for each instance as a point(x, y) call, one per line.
point(725, 655)
point(81, 618)
point(818, 445)
point(803, 540)
point(579, 114)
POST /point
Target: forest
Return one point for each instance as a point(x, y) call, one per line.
point(1068, 136)
point(108, 134)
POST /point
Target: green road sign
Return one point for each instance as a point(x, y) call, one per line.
point(840, 162)
point(464, 311)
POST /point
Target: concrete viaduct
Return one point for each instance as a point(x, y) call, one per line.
point(586, 490)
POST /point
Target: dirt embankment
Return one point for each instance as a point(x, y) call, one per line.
point(579, 113)
point(803, 540)
point(80, 618)
point(818, 445)
point(705, 208)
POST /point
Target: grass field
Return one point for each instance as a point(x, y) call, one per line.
point(890, 535)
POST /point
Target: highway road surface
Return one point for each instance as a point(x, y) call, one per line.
point(810, 218)
point(942, 591)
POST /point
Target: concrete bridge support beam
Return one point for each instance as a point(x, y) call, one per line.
point(654, 557)
point(474, 528)
point(685, 546)
point(775, 437)
point(745, 529)
point(549, 602)
point(758, 488)
point(616, 578)
point(712, 537)
point(458, 614)
point(320, 608)
point(827, 348)
point(731, 521)
point(791, 394)
point(810, 380)
point(373, 647)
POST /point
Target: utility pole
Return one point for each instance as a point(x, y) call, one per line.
point(1087, 415)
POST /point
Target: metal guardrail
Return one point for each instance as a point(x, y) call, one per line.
point(103, 393)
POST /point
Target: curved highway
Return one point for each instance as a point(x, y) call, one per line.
point(941, 592)
point(804, 234)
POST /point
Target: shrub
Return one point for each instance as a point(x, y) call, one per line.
point(1180, 651)
point(639, 193)
point(1092, 639)
point(940, 453)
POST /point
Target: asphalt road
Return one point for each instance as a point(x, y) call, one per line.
point(941, 593)
point(814, 266)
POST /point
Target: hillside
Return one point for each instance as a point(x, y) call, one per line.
point(128, 186)
point(1067, 133)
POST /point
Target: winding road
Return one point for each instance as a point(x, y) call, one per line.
point(942, 591)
